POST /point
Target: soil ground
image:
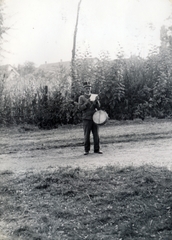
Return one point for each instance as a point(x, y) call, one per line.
point(24, 148)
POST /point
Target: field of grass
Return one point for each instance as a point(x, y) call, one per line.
point(74, 204)
point(112, 197)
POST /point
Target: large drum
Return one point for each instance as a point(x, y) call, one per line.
point(100, 117)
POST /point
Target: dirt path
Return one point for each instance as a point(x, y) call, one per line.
point(127, 144)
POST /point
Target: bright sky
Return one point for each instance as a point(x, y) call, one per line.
point(42, 30)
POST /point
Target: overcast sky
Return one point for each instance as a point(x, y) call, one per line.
point(42, 30)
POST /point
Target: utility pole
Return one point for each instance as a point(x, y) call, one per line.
point(74, 49)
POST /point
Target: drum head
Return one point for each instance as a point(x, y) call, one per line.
point(100, 117)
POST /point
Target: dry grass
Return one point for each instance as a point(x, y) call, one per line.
point(107, 203)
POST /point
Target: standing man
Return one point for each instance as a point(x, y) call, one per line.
point(88, 108)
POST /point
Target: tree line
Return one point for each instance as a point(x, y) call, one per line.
point(128, 88)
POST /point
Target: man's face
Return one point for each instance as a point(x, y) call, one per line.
point(87, 90)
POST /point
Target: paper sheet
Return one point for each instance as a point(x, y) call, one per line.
point(93, 97)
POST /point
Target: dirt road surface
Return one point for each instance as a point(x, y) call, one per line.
point(129, 143)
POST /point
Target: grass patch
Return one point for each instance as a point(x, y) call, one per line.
point(107, 203)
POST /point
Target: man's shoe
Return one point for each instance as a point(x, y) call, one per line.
point(99, 152)
point(86, 153)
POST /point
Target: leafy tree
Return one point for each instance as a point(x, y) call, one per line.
point(166, 37)
point(27, 68)
point(112, 87)
point(134, 82)
point(3, 29)
point(2, 32)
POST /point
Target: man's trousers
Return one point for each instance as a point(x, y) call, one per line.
point(89, 126)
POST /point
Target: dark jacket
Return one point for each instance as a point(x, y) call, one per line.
point(87, 107)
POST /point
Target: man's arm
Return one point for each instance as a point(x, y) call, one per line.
point(83, 103)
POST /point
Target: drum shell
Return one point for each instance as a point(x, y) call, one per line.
point(100, 117)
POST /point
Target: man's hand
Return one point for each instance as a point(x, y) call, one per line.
point(97, 103)
point(97, 98)
point(88, 102)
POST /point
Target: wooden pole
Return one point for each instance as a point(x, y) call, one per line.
point(74, 47)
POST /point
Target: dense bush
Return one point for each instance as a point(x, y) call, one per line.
point(128, 88)
point(44, 109)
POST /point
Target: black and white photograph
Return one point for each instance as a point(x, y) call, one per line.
point(85, 119)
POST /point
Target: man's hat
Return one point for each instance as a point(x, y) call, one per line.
point(86, 84)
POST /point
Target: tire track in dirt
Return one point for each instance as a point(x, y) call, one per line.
point(128, 144)
point(152, 152)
